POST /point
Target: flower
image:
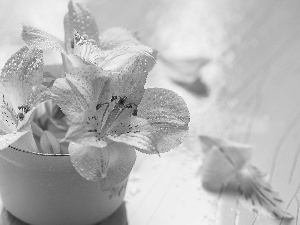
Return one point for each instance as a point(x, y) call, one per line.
point(227, 162)
point(22, 91)
point(112, 115)
point(100, 111)
point(110, 51)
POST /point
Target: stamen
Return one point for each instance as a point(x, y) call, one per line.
point(133, 105)
point(114, 98)
point(72, 44)
point(99, 105)
point(25, 108)
point(116, 112)
point(134, 112)
point(122, 100)
point(20, 116)
point(94, 130)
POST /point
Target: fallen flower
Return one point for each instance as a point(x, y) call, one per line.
point(227, 163)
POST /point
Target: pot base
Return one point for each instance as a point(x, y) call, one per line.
point(52, 192)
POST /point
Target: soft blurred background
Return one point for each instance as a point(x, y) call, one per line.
point(236, 64)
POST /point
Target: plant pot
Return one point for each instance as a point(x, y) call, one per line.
point(46, 190)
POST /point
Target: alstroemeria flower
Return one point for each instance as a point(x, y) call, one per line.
point(21, 91)
point(228, 163)
point(121, 117)
point(110, 51)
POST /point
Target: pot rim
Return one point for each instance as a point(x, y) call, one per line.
point(37, 153)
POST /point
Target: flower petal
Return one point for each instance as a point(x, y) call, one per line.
point(111, 60)
point(79, 18)
point(89, 81)
point(8, 122)
point(136, 132)
point(168, 114)
point(124, 44)
point(112, 163)
point(49, 143)
point(117, 58)
point(257, 193)
point(87, 51)
point(237, 154)
point(66, 98)
point(80, 89)
point(26, 142)
point(129, 82)
point(11, 138)
point(37, 96)
point(21, 72)
point(83, 129)
point(121, 165)
point(36, 38)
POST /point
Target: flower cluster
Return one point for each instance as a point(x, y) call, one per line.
point(98, 110)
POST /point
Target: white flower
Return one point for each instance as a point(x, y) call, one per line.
point(117, 116)
point(110, 51)
point(21, 92)
point(227, 163)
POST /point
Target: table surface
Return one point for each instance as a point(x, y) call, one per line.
point(237, 66)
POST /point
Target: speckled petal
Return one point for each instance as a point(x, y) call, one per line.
point(83, 129)
point(113, 163)
point(22, 71)
point(168, 114)
point(36, 38)
point(136, 132)
point(129, 82)
point(80, 89)
point(38, 95)
point(8, 121)
point(8, 139)
point(79, 18)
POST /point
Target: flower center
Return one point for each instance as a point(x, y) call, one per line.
point(9, 114)
point(110, 114)
point(23, 110)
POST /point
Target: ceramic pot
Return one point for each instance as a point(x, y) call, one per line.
point(46, 190)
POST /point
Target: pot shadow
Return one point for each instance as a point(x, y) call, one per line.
point(118, 217)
